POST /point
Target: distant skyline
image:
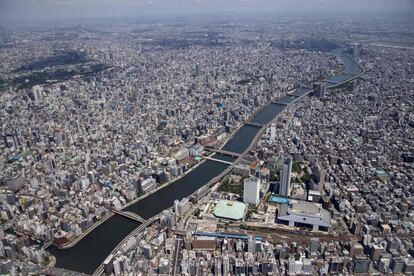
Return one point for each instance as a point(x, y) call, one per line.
point(26, 10)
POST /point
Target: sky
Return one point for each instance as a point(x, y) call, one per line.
point(16, 10)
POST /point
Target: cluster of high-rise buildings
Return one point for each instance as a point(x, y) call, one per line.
point(301, 175)
point(72, 149)
point(325, 190)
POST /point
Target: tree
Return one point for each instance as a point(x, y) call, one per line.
point(273, 176)
point(296, 168)
point(197, 212)
point(306, 177)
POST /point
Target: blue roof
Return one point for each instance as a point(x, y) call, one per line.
point(108, 184)
point(16, 157)
point(278, 199)
point(224, 235)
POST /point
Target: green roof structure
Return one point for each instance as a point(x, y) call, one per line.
point(231, 210)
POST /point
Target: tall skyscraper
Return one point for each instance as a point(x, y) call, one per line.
point(177, 209)
point(273, 132)
point(251, 192)
point(319, 89)
point(37, 91)
point(284, 186)
point(197, 70)
point(251, 244)
point(314, 245)
point(322, 90)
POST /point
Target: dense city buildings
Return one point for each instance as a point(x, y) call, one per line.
point(209, 146)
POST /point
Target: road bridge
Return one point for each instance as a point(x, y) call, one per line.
point(46, 245)
point(253, 124)
point(276, 102)
point(218, 160)
point(129, 215)
point(225, 152)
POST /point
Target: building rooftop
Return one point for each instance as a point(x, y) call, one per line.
point(278, 199)
point(230, 210)
point(305, 212)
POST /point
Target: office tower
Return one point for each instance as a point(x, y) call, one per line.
point(177, 209)
point(284, 186)
point(197, 70)
point(117, 267)
point(15, 182)
point(251, 192)
point(356, 249)
point(251, 244)
point(37, 91)
point(318, 176)
point(295, 267)
point(314, 245)
point(226, 265)
point(319, 89)
point(376, 251)
point(108, 265)
point(397, 265)
point(147, 251)
point(383, 264)
point(336, 265)
point(360, 264)
point(356, 50)
point(272, 132)
point(322, 90)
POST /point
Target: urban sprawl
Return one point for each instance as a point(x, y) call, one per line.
point(98, 117)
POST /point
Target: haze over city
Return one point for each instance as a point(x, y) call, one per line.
point(26, 10)
point(206, 137)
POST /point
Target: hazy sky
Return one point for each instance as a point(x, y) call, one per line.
point(33, 9)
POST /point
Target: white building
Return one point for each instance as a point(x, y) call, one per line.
point(305, 214)
point(273, 132)
point(295, 267)
point(181, 207)
point(196, 150)
point(147, 185)
point(181, 154)
point(251, 192)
